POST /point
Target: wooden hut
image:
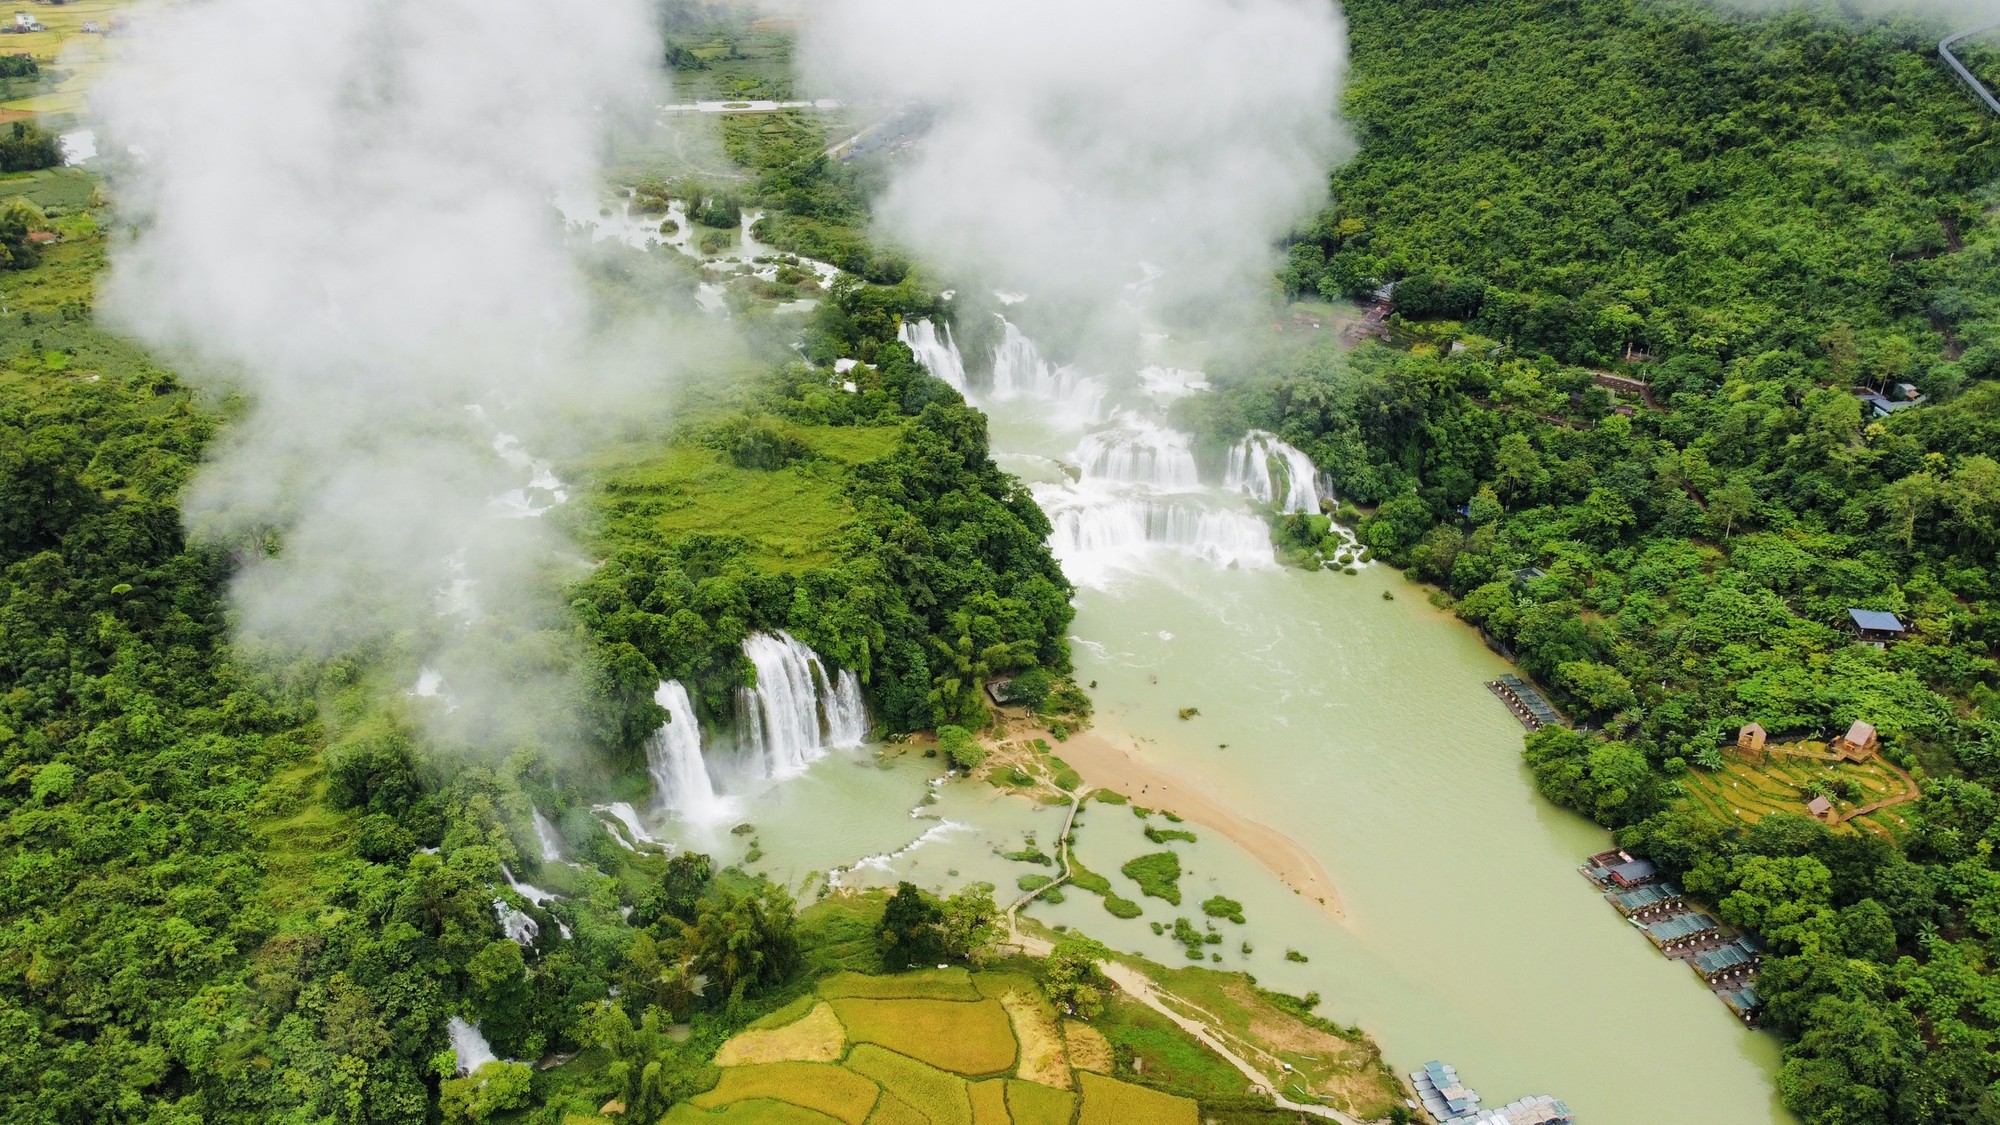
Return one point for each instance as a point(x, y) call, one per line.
point(1751, 740)
point(1859, 742)
point(1821, 809)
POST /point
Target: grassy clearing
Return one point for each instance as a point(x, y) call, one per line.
point(940, 1098)
point(966, 1038)
point(1034, 1020)
point(822, 1088)
point(1107, 1101)
point(815, 1037)
point(1029, 1104)
point(1087, 1047)
point(923, 984)
point(792, 518)
point(1339, 1065)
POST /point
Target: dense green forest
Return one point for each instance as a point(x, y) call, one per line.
point(244, 894)
point(1763, 214)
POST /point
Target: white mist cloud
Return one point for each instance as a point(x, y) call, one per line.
point(1079, 143)
point(341, 210)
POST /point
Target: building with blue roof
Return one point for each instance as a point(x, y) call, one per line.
point(1877, 626)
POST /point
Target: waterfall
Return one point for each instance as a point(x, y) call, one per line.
point(551, 843)
point(519, 928)
point(469, 1045)
point(529, 891)
point(1138, 451)
point(797, 710)
point(1269, 471)
point(673, 756)
point(1091, 528)
point(1019, 371)
point(628, 832)
point(935, 350)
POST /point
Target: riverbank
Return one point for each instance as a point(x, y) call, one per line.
point(1111, 759)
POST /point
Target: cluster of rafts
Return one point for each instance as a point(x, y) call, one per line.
point(1134, 488)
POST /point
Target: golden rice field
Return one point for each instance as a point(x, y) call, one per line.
point(935, 1047)
point(1745, 792)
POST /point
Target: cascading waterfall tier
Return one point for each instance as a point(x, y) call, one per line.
point(1268, 470)
point(469, 1045)
point(546, 835)
point(681, 782)
point(935, 350)
point(1019, 371)
point(798, 710)
point(1138, 451)
point(1095, 528)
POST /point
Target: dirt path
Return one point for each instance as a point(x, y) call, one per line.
point(1141, 988)
point(1105, 764)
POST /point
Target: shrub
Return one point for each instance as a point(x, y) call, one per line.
point(1295, 955)
point(1164, 835)
point(1121, 907)
point(1157, 874)
point(1220, 907)
point(958, 744)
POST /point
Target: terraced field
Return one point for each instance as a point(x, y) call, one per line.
point(1745, 792)
point(936, 1047)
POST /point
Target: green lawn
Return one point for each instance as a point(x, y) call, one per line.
point(792, 518)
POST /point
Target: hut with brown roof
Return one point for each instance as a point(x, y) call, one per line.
point(1859, 742)
point(1751, 740)
point(1821, 808)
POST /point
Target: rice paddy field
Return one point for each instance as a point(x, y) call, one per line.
point(71, 60)
point(1745, 791)
point(933, 1047)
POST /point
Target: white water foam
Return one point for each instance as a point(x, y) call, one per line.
point(469, 1045)
point(1268, 470)
point(519, 928)
point(1099, 529)
point(545, 833)
point(681, 782)
point(935, 350)
point(1139, 451)
point(1020, 371)
point(634, 836)
point(797, 711)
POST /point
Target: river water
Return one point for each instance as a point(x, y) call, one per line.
point(1357, 724)
point(1360, 726)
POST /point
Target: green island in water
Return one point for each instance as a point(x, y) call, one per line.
point(1235, 561)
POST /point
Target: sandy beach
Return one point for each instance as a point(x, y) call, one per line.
point(1108, 760)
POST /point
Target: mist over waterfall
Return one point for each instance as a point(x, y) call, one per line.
point(935, 350)
point(1139, 451)
point(798, 710)
point(1268, 470)
point(1020, 371)
point(681, 782)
